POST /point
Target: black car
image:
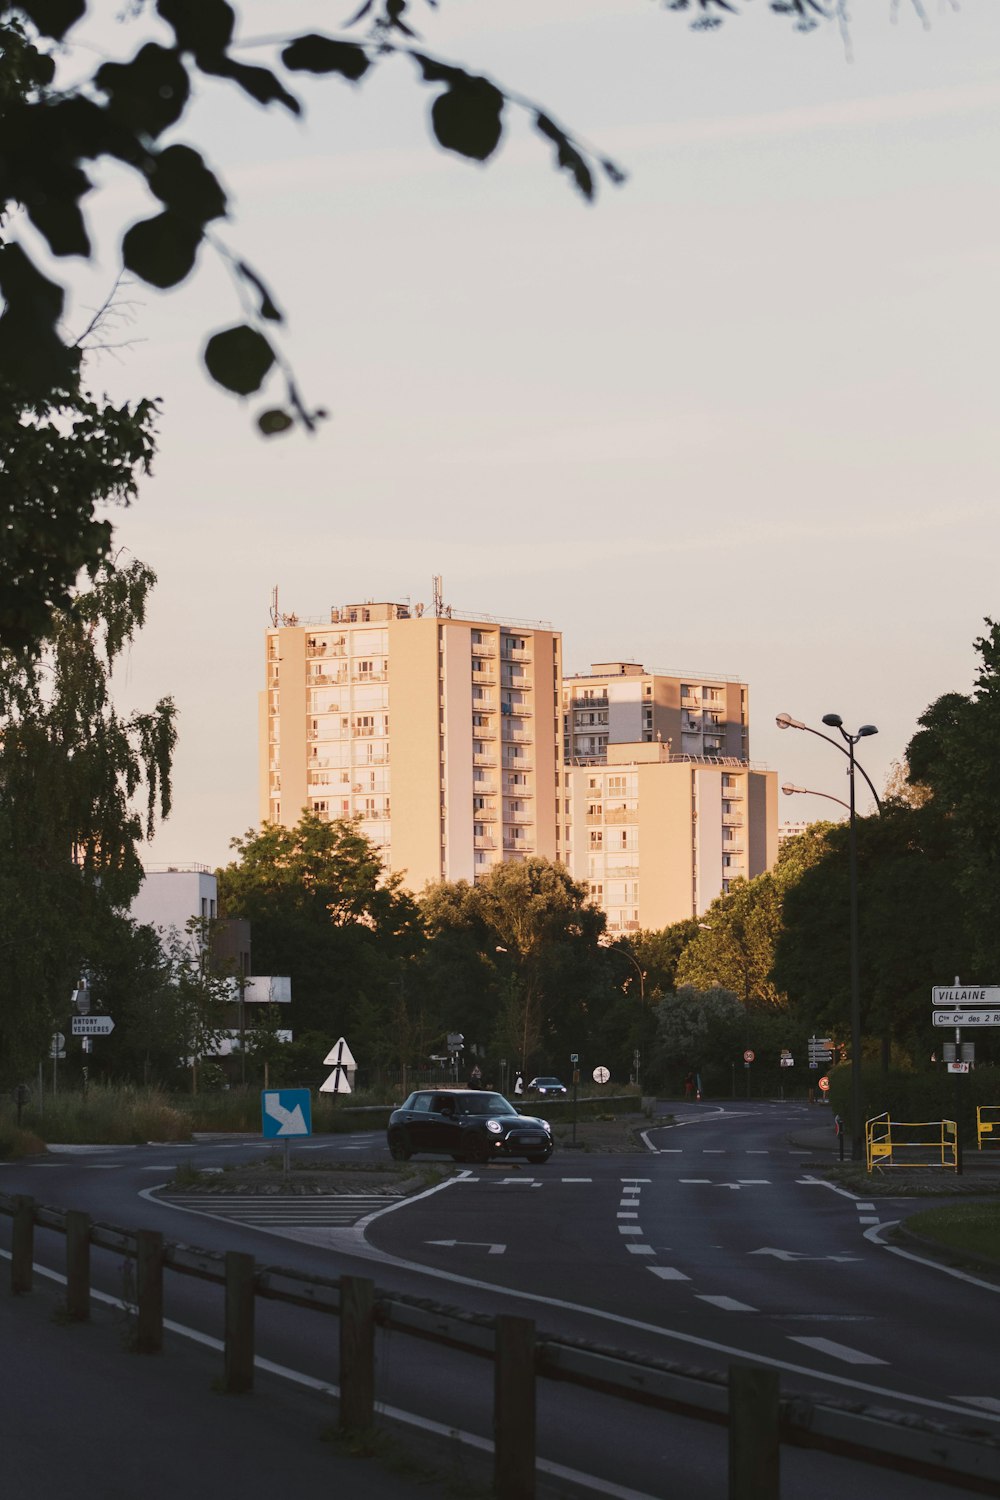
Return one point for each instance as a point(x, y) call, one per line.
point(545, 1086)
point(467, 1124)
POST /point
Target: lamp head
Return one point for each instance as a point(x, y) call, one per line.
point(865, 730)
point(834, 720)
point(789, 789)
point(785, 721)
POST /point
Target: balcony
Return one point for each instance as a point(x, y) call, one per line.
point(484, 679)
point(519, 736)
point(483, 732)
point(521, 764)
point(484, 788)
point(484, 814)
point(369, 677)
point(730, 793)
point(523, 655)
point(601, 702)
point(621, 815)
point(484, 759)
point(518, 846)
point(484, 841)
point(732, 820)
point(515, 789)
point(732, 848)
point(518, 817)
point(484, 648)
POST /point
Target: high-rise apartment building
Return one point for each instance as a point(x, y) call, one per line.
point(440, 732)
point(655, 837)
point(619, 703)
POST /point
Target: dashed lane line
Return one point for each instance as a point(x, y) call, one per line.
point(727, 1304)
point(836, 1351)
point(668, 1273)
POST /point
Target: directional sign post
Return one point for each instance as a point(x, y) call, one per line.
point(339, 1058)
point(286, 1114)
point(92, 1025)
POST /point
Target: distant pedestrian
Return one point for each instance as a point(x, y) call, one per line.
point(518, 1085)
point(476, 1078)
point(689, 1086)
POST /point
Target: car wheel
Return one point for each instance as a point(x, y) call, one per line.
point(539, 1158)
point(399, 1148)
point(477, 1149)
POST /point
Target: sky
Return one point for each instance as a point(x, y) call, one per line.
point(738, 416)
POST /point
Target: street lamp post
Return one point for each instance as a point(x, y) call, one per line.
point(789, 790)
point(834, 721)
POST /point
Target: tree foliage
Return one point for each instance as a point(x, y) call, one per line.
point(80, 787)
point(324, 911)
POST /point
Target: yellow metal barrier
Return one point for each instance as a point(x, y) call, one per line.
point(987, 1123)
point(911, 1143)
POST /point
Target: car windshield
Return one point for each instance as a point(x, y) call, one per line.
point(485, 1104)
point(548, 1081)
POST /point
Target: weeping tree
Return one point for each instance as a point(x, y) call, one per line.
point(81, 786)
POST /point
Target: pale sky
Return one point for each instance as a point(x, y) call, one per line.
point(739, 416)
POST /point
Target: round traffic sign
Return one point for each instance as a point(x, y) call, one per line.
point(824, 1083)
point(748, 1055)
point(601, 1075)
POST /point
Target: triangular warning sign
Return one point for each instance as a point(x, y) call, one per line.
point(340, 1055)
point(337, 1083)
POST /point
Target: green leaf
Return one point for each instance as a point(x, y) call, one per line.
point(259, 83)
point(147, 94)
point(322, 54)
point(162, 250)
point(180, 179)
point(238, 359)
point(53, 17)
point(274, 421)
point(567, 155)
point(199, 25)
point(468, 119)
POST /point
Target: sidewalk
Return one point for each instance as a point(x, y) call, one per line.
point(81, 1415)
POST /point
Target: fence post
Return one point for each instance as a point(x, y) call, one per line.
point(22, 1244)
point(357, 1353)
point(149, 1290)
point(514, 1409)
point(754, 1452)
point(77, 1265)
point(240, 1300)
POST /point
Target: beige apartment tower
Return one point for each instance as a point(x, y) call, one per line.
point(656, 837)
point(620, 703)
point(441, 733)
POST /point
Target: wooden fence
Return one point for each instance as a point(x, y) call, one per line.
point(748, 1400)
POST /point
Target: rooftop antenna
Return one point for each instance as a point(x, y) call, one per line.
point(274, 605)
point(436, 590)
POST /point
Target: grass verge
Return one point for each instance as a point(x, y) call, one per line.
point(971, 1228)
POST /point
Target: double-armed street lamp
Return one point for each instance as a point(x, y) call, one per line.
point(790, 790)
point(610, 946)
point(834, 721)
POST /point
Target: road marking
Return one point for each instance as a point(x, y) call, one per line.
point(695, 1181)
point(629, 1229)
point(635, 1179)
point(836, 1351)
point(712, 1151)
point(727, 1304)
point(622, 1215)
point(668, 1273)
point(869, 1219)
point(340, 1210)
point(800, 1255)
point(640, 1249)
point(986, 1403)
point(758, 1153)
point(865, 1208)
point(470, 1244)
point(576, 1179)
point(935, 1265)
point(755, 1182)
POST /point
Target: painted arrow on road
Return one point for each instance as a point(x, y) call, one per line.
point(472, 1244)
point(800, 1255)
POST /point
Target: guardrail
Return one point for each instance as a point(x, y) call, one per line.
point(987, 1124)
point(747, 1399)
point(896, 1143)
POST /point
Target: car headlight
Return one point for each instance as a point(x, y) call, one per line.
point(494, 1127)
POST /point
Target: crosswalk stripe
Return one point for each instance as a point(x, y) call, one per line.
point(727, 1304)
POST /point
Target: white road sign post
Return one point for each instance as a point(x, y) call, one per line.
point(339, 1058)
point(92, 1025)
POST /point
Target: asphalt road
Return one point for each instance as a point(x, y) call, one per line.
point(718, 1243)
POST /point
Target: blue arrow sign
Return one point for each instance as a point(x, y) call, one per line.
point(286, 1113)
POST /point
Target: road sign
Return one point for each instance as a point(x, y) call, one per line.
point(983, 1016)
point(285, 1113)
point(601, 1075)
point(964, 995)
point(92, 1025)
point(57, 1046)
point(959, 1067)
point(456, 1042)
point(340, 1058)
point(749, 1056)
point(788, 1062)
point(824, 1083)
